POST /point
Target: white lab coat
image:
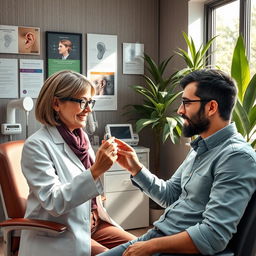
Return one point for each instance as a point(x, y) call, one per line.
point(60, 190)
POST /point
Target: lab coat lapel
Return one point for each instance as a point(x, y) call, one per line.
point(57, 139)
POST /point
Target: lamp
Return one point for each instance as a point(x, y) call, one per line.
point(11, 127)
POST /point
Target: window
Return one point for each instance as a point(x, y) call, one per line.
point(253, 37)
point(226, 19)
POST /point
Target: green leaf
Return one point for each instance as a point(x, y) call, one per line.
point(173, 98)
point(238, 122)
point(152, 68)
point(164, 64)
point(240, 69)
point(253, 143)
point(240, 111)
point(186, 57)
point(207, 46)
point(252, 118)
point(142, 123)
point(250, 94)
point(189, 44)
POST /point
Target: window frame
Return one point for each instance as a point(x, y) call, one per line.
point(244, 21)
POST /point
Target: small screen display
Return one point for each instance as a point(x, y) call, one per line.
point(122, 132)
point(13, 126)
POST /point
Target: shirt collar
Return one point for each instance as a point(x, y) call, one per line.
point(201, 145)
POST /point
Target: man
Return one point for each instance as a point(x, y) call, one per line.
point(208, 194)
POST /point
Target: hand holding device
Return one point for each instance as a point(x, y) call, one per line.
point(105, 157)
point(128, 158)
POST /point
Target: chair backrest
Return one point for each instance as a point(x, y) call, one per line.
point(14, 186)
point(243, 242)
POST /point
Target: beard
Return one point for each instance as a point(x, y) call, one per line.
point(197, 124)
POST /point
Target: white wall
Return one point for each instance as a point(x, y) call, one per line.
point(196, 21)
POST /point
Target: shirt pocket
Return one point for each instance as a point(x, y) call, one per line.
point(198, 190)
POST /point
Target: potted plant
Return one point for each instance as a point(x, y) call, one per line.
point(157, 110)
point(160, 94)
point(194, 59)
point(244, 114)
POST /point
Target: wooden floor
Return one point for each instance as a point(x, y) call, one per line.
point(136, 232)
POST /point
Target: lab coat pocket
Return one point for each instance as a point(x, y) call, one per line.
point(47, 244)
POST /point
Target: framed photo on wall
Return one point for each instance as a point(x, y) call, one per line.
point(19, 40)
point(63, 52)
point(102, 69)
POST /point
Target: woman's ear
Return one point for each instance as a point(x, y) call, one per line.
point(56, 104)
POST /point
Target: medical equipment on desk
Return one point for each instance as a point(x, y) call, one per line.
point(11, 127)
point(123, 132)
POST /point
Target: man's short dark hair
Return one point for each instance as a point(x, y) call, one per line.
point(216, 85)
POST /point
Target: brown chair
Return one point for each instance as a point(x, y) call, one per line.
point(14, 192)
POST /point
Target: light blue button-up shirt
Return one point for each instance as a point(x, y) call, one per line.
point(209, 192)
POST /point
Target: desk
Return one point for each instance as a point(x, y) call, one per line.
point(125, 203)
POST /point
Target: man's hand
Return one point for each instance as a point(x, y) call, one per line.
point(138, 249)
point(127, 157)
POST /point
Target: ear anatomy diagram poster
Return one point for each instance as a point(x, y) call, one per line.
point(102, 69)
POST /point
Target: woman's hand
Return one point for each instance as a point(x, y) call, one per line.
point(127, 157)
point(105, 157)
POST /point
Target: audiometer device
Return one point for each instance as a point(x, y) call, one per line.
point(123, 132)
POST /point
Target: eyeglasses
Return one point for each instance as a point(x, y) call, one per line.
point(184, 102)
point(83, 103)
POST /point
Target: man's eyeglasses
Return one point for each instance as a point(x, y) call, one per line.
point(185, 101)
point(83, 103)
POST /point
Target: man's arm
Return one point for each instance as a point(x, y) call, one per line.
point(178, 243)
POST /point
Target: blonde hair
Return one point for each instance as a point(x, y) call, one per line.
point(62, 84)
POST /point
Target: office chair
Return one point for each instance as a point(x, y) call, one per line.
point(14, 191)
point(243, 243)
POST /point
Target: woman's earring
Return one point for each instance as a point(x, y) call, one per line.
point(57, 116)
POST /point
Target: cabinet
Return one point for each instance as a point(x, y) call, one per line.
point(125, 203)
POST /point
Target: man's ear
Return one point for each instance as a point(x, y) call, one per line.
point(212, 107)
point(29, 39)
point(56, 104)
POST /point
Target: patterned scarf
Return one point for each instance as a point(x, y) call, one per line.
point(77, 142)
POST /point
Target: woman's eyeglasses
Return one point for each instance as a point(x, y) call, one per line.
point(83, 103)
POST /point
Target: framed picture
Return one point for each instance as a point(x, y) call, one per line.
point(63, 52)
point(19, 40)
point(102, 69)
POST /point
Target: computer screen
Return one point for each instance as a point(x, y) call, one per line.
point(120, 131)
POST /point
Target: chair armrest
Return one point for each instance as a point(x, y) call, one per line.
point(8, 226)
point(32, 224)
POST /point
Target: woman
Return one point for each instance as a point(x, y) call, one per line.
point(63, 176)
point(65, 47)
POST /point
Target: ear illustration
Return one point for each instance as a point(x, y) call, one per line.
point(29, 39)
point(101, 50)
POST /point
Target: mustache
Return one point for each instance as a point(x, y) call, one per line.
point(185, 117)
point(189, 120)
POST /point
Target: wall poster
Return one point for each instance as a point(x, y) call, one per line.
point(31, 77)
point(133, 61)
point(102, 69)
point(63, 52)
point(8, 78)
point(19, 40)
